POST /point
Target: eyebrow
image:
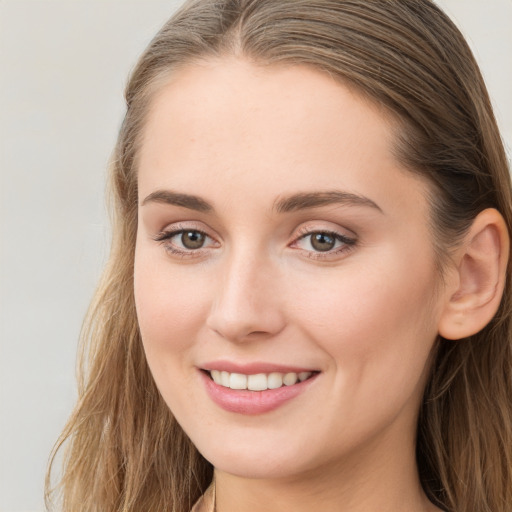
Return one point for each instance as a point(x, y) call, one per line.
point(303, 201)
point(177, 199)
point(294, 202)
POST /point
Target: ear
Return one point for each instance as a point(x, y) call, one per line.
point(480, 272)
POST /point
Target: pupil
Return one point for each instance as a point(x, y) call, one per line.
point(322, 241)
point(192, 239)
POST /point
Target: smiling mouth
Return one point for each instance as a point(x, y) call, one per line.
point(258, 381)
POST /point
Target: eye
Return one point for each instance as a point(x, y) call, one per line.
point(184, 241)
point(324, 243)
point(191, 239)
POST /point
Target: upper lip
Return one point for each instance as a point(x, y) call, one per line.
point(254, 368)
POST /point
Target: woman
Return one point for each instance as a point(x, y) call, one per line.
point(307, 301)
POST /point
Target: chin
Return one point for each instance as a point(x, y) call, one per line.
point(257, 467)
point(269, 459)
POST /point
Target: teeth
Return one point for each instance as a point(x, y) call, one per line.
point(216, 376)
point(238, 381)
point(290, 379)
point(224, 379)
point(259, 381)
point(274, 380)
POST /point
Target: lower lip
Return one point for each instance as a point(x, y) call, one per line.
point(252, 402)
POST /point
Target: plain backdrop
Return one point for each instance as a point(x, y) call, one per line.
point(63, 67)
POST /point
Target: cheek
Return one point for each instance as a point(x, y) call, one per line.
point(378, 329)
point(170, 305)
point(380, 318)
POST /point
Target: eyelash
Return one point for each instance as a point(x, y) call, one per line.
point(347, 243)
point(165, 237)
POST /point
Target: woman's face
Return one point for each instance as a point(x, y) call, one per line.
point(280, 239)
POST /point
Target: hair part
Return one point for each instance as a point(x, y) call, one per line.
point(125, 450)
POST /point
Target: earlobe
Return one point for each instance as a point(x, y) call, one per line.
point(481, 270)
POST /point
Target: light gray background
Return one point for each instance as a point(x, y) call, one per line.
point(63, 66)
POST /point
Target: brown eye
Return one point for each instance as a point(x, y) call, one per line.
point(322, 241)
point(186, 243)
point(192, 239)
point(324, 244)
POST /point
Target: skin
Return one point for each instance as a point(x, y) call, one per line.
point(365, 315)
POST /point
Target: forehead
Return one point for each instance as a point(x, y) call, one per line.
point(276, 128)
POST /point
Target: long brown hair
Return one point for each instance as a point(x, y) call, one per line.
point(125, 451)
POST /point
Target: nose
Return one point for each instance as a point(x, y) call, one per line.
point(247, 303)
